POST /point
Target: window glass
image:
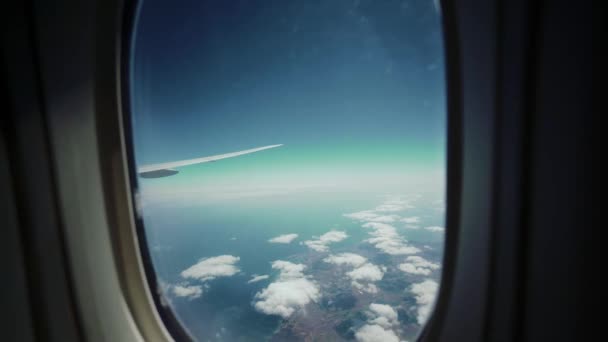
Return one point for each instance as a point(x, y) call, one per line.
point(291, 165)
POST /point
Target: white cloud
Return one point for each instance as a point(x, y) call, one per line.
point(366, 215)
point(323, 242)
point(190, 292)
point(286, 238)
point(375, 333)
point(418, 265)
point(382, 318)
point(257, 278)
point(386, 239)
point(371, 216)
point(412, 269)
point(435, 229)
point(386, 218)
point(211, 268)
point(350, 259)
point(369, 288)
point(291, 291)
point(390, 207)
point(393, 205)
point(367, 272)
point(384, 315)
point(413, 219)
point(425, 293)
point(362, 270)
point(412, 226)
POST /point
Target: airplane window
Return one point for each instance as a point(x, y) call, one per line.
point(290, 160)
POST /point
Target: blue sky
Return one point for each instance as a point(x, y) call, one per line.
point(344, 85)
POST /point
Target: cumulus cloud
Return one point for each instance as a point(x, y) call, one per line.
point(350, 259)
point(323, 242)
point(385, 238)
point(211, 268)
point(418, 265)
point(363, 273)
point(286, 238)
point(367, 272)
point(378, 328)
point(290, 292)
point(384, 315)
point(257, 278)
point(424, 293)
point(190, 292)
point(413, 219)
point(375, 333)
point(435, 229)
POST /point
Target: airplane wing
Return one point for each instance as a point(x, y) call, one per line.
point(168, 169)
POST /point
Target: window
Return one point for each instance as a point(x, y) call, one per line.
point(291, 162)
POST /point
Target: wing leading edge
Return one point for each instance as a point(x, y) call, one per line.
point(168, 169)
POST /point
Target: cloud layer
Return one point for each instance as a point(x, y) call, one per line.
point(286, 238)
point(323, 242)
point(290, 292)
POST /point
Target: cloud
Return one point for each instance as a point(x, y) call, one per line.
point(382, 318)
point(424, 293)
point(286, 238)
point(290, 292)
point(362, 271)
point(366, 215)
point(211, 268)
point(418, 265)
point(350, 259)
point(385, 218)
point(190, 292)
point(412, 226)
point(393, 205)
point(372, 216)
point(375, 333)
point(367, 272)
point(435, 229)
point(385, 238)
point(385, 315)
point(257, 278)
point(369, 288)
point(413, 219)
point(323, 242)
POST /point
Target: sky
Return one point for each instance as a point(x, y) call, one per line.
point(348, 210)
point(353, 89)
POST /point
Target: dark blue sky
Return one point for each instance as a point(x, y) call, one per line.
point(211, 77)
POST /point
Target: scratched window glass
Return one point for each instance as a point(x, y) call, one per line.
point(291, 165)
